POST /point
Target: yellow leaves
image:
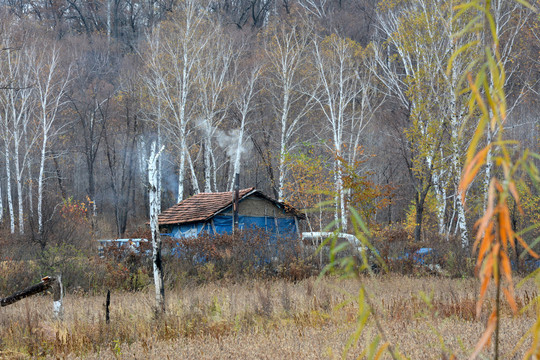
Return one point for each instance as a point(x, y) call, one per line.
point(341, 49)
point(386, 5)
point(309, 182)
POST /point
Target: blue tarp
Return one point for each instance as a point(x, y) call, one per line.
point(280, 230)
point(223, 225)
point(189, 230)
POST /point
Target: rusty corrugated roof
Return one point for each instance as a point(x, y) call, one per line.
point(199, 207)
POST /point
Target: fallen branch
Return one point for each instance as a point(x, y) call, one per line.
point(45, 284)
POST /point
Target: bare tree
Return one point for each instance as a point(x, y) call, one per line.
point(214, 91)
point(173, 51)
point(89, 99)
point(50, 82)
point(244, 105)
point(337, 60)
point(290, 85)
point(121, 145)
point(19, 137)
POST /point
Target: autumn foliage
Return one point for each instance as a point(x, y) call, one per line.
point(495, 235)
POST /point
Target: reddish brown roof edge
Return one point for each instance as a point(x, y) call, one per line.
point(250, 191)
point(202, 217)
point(246, 193)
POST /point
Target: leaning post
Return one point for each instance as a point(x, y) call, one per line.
point(58, 297)
point(46, 283)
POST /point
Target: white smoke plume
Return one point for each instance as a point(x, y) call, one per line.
point(228, 141)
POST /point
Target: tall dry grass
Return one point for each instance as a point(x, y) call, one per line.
point(261, 319)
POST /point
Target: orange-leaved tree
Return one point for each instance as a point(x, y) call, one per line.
point(495, 235)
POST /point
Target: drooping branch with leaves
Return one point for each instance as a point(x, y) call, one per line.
point(495, 235)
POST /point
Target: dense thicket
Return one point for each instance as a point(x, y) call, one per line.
point(346, 101)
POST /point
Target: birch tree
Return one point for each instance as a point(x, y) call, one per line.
point(174, 48)
point(154, 189)
point(337, 60)
point(289, 80)
point(7, 82)
point(509, 19)
point(214, 85)
point(6, 135)
point(19, 138)
point(50, 82)
point(244, 105)
point(419, 38)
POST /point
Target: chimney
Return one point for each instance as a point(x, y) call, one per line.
point(236, 195)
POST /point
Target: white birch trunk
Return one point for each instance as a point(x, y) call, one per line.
point(440, 195)
point(154, 189)
point(282, 169)
point(160, 163)
point(459, 199)
point(457, 150)
point(109, 22)
point(40, 184)
point(462, 221)
point(19, 184)
point(29, 176)
point(18, 103)
point(461, 225)
point(1, 205)
point(339, 88)
point(171, 80)
point(207, 162)
point(1, 199)
point(8, 187)
point(341, 199)
point(194, 180)
point(283, 142)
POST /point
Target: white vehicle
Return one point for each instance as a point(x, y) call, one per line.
point(311, 241)
point(130, 244)
point(316, 238)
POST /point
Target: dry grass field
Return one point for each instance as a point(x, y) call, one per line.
point(261, 320)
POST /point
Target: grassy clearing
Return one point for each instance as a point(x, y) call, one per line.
point(259, 319)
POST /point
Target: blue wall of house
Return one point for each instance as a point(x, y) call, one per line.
point(285, 227)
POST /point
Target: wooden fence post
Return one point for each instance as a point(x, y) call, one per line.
point(107, 303)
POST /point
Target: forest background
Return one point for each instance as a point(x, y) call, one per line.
point(337, 101)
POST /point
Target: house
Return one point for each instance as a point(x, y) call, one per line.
point(213, 213)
